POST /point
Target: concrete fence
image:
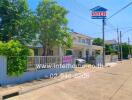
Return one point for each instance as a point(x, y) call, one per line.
point(108, 59)
point(26, 76)
point(111, 58)
point(99, 61)
point(48, 61)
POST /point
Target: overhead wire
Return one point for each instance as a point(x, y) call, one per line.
point(120, 10)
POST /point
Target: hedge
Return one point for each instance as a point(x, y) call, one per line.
point(16, 54)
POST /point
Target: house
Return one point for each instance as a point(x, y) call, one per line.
point(82, 47)
point(113, 43)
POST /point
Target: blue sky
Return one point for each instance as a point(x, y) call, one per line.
point(80, 19)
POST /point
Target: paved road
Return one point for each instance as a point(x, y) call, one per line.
point(113, 83)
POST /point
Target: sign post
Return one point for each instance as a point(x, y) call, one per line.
point(100, 13)
point(103, 27)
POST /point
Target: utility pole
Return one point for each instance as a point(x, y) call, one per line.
point(103, 27)
point(121, 53)
point(129, 46)
point(100, 13)
point(118, 41)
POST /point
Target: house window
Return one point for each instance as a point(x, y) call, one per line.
point(80, 54)
point(36, 52)
point(68, 52)
point(74, 39)
point(88, 41)
point(79, 39)
point(83, 40)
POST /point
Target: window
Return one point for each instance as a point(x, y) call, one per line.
point(79, 39)
point(88, 41)
point(74, 39)
point(80, 54)
point(36, 52)
point(83, 40)
point(68, 52)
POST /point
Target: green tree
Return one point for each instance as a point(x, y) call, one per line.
point(109, 49)
point(125, 50)
point(52, 25)
point(16, 21)
point(98, 41)
point(131, 49)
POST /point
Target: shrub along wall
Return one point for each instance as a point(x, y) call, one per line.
point(16, 54)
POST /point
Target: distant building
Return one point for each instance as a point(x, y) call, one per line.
point(114, 43)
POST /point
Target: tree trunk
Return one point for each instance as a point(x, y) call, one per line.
point(44, 51)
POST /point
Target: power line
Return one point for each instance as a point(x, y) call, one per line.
point(120, 10)
point(111, 25)
point(128, 30)
point(89, 10)
point(122, 28)
point(83, 4)
point(84, 18)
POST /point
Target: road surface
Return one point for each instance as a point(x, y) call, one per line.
point(113, 83)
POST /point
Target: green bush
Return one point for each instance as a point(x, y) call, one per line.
point(125, 50)
point(31, 52)
point(16, 54)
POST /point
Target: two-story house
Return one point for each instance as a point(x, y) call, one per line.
point(82, 46)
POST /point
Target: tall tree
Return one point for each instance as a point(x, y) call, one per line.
point(98, 41)
point(16, 21)
point(52, 25)
point(109, 49)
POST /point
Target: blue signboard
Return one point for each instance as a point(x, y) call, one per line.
point(98, 13)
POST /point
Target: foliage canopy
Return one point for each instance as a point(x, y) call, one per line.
point(52, 24)
point(16, 21)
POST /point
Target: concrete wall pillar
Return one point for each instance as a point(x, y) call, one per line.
point(75, 53)
point(91, 42)
point(3, 68)
point(61, 53)
point(90, 51)
point(84, 53)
